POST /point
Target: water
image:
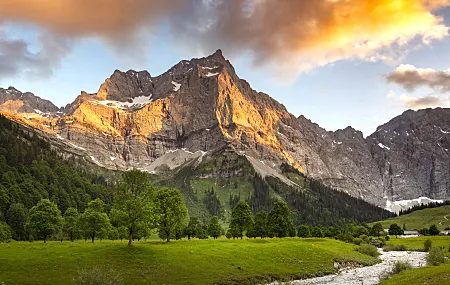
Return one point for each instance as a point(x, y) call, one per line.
point(368, 275)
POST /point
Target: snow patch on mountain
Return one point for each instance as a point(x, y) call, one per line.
point(176, 86)
point(137, 102)
point(396, 206)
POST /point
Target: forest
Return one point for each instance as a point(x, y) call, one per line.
point(36, 182)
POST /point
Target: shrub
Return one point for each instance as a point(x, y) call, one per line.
point(377, 242)
point(368, 249)
point(400, 266)
point(427, 245)
point(98, 276)
point(435, 256)
point(364, 238)
point(395, 247)
point(357, 241)
point(386, 238)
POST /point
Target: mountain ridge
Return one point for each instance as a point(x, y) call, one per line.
point(197, 106)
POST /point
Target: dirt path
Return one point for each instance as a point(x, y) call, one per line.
point(366, 275)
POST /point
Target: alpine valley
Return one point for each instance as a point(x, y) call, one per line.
point(201, 128)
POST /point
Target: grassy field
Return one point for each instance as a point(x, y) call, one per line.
point(423, 218)
point(179, 262)
point(416, 244)
point(430, 275)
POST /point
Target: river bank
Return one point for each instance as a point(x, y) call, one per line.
point(368, 275)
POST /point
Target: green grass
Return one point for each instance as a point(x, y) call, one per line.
point(430, 275)
point(422, 218)
point(178, 262)
point(417, 244)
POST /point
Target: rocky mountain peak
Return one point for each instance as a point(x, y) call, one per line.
point(125, 86)
point(15, 101)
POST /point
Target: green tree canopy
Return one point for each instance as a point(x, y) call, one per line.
point(70, 227)
point(395, 230)
point(194, 228)
point(44, 219)
point(304, 231)
point(16, 217)
point(434, 231)
point(5, 232)
point(134, 207)
point(241, 219)
point(279, 220)
point(171, 212)
point(214, 228)
point(260, 225)
point(94, 222)
point(376, 229)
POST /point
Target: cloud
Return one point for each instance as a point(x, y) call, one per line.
point(295, 36)
point(411, 77)
point(292, 36)
point(17, 56)
point(415, 103)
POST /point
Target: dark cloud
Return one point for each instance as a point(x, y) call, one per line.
point(17, 57)
point(410, 78)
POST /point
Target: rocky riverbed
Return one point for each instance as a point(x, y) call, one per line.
point(368, 275)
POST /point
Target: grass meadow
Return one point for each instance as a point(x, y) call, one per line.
point(178, 262)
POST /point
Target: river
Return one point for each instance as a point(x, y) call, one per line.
point(368, 275)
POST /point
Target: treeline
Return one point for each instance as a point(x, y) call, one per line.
point(137, 209)
point(423, 206)
point(30, 170)
point(318, 204)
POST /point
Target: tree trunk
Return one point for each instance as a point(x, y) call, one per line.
point(93, 237)
point(45, 238)
point(130, 240)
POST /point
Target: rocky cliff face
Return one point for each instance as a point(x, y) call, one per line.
point(201, 106)
point(412, 154)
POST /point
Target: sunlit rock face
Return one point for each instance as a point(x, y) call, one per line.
point(200, 107)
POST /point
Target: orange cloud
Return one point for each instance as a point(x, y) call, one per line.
point(293, 35)
point(108, 18)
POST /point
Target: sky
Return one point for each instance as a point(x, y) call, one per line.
point(337, 62)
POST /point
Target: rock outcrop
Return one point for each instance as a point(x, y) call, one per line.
point(200, 106)
point(14, 101)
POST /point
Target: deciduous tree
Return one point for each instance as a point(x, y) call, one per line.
point(434, 231)
point(171, 212)
point(70, 227)
point(395, 230)
point(134, 207)
point(94, 222)
point(260, 225)
point(304, 231)
point(44, 219)
point(214, 228)
point(16, 218)
point(279, 220)
point(241, 219)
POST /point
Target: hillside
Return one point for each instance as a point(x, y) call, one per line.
point(32, 169)
point(422, 218)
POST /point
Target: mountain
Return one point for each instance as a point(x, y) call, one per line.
point(14, 101)
point(200, 120)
